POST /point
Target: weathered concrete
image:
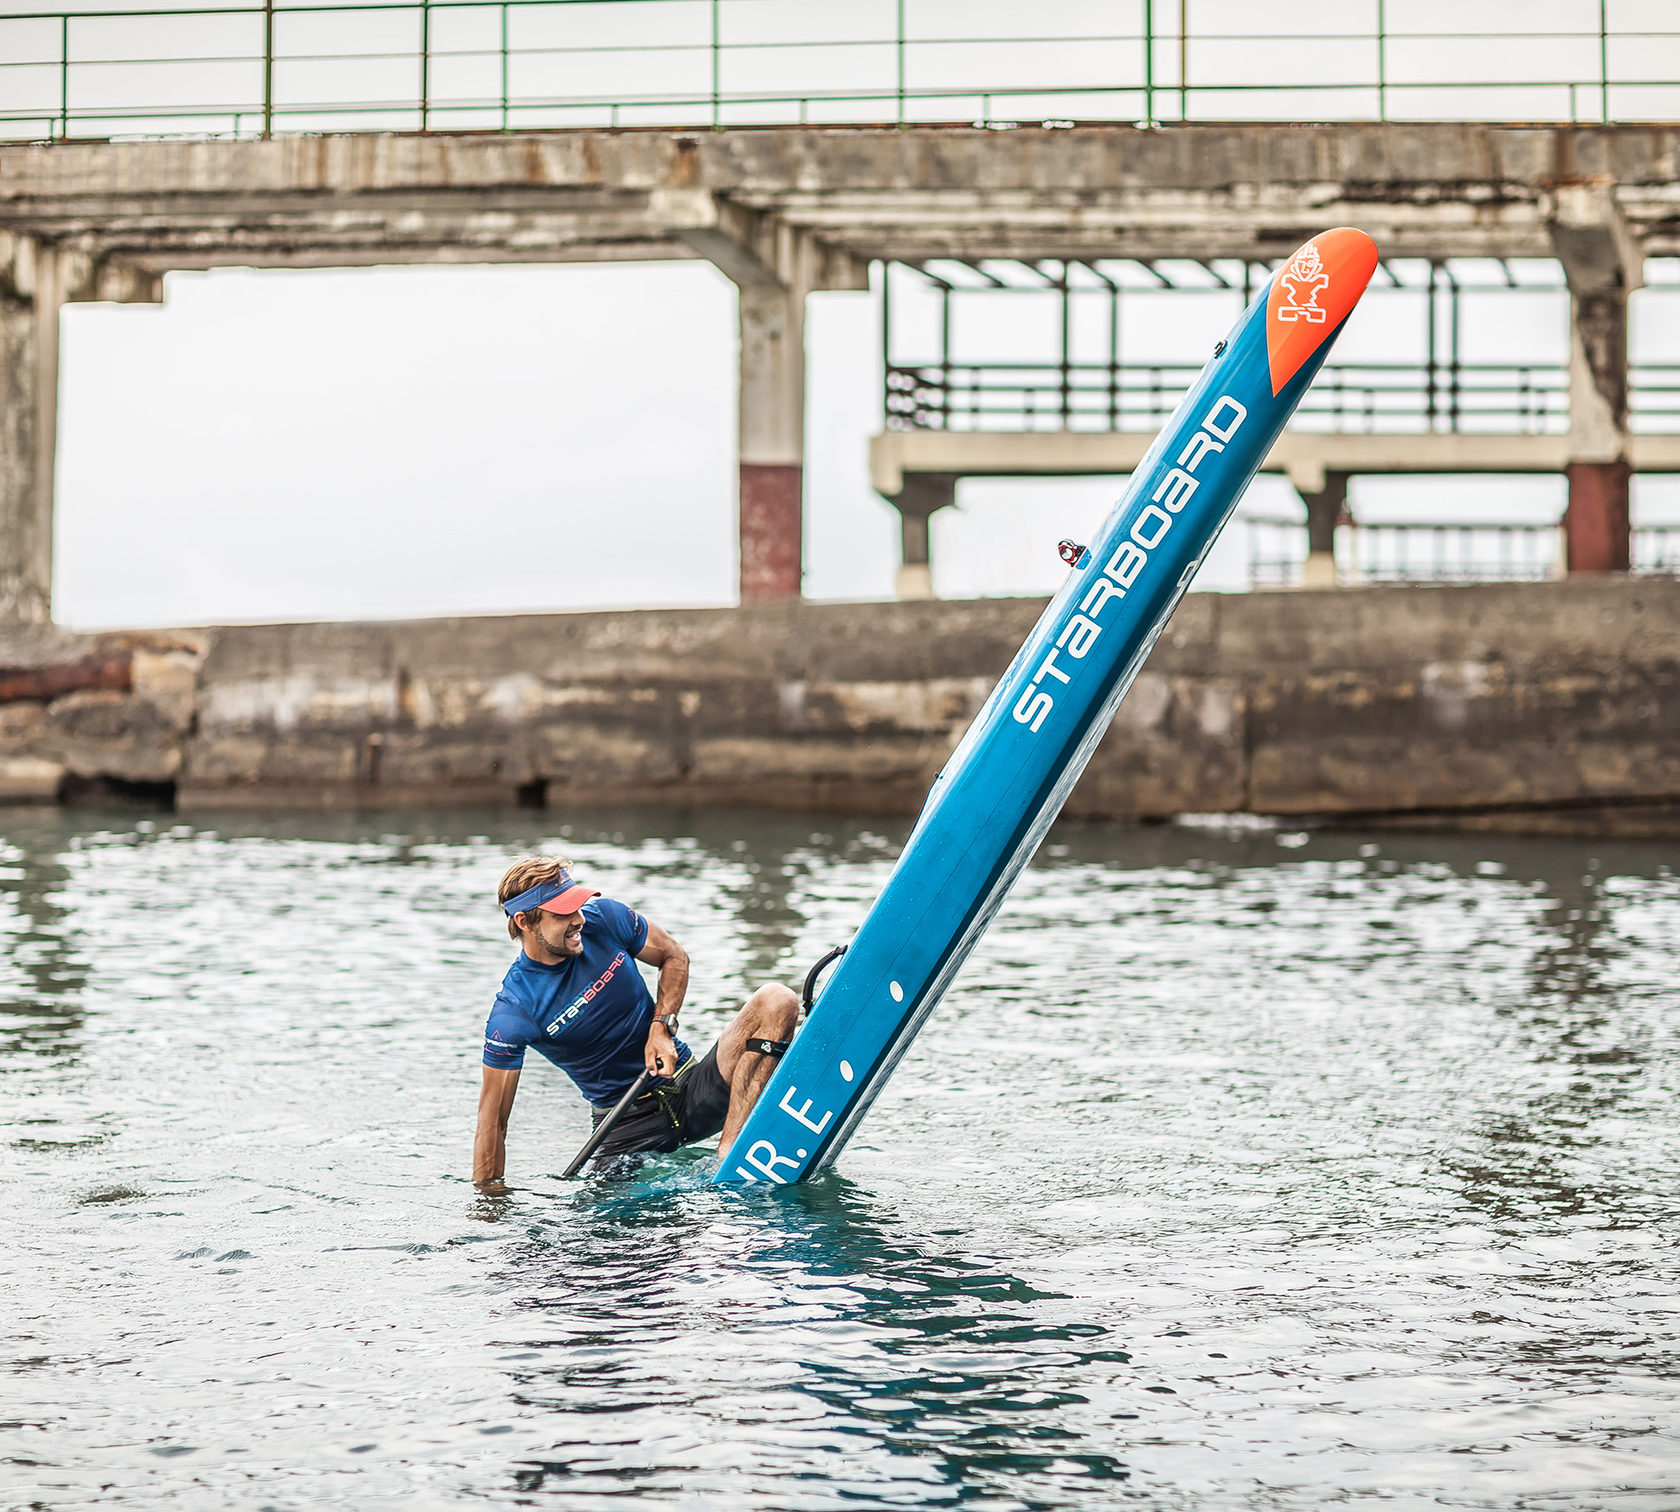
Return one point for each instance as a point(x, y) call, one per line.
point(774, 266)
point(1602, 261)
point(37, 279)
point(1516, 704)
point(1326, 508)
point(920, 497)
point(1250, 190)
point(94, 714)
point(771, 497)
point(29, 311)
point(1306, 457)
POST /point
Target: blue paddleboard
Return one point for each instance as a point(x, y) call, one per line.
point(1008, 778)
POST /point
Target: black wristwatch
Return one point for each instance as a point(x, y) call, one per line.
point(669, 1020)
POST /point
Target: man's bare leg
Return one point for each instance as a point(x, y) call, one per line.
point(770, 1013)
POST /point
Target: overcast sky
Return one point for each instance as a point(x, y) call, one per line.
point(452, 440)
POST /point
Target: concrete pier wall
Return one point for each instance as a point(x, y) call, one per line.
point(1524, 704)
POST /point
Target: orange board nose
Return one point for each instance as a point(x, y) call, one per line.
point(1312, 294)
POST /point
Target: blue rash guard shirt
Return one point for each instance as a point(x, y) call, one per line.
point(589, 1015)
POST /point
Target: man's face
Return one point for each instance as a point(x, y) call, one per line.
point(561, 934)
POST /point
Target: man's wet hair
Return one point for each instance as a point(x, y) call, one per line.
point(523, 875)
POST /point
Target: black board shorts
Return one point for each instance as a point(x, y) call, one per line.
point(688, 1106)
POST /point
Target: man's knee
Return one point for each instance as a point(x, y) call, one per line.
point(776, 1007)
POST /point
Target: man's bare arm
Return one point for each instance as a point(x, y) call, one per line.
point(660, 1054)
point(495, 1103)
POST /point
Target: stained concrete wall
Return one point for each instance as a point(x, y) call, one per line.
point(1528, 704)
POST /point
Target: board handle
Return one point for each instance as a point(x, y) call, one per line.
point(811, 976)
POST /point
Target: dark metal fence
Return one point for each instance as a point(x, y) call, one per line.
point(256, 69)
point(1359, 397)
point(1438, 553)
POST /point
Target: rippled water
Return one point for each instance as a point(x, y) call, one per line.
point(1241, 1170)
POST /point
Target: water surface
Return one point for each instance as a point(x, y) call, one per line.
point(1256, 1169)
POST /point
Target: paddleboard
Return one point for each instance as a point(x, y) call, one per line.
point(1009, 776)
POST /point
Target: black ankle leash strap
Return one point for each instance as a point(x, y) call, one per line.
point(777, 1048)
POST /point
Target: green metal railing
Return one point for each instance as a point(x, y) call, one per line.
point(258, 69)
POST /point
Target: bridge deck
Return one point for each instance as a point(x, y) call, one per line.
point(1253, 191)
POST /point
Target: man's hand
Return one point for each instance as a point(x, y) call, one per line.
point(659, 1055)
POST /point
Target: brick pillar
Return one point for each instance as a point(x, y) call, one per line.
point(1595, 525)
point(1596, 534)
point(28, 436)
point(772, 441)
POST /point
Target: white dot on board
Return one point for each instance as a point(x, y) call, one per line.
point(846, 1070)
point(896, 991)
point(800, 1154)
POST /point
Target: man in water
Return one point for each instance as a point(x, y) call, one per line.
point(574, 995)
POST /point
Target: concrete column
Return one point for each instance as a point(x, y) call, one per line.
point(773, 266)
point(28, 433)
point(1326, 508)
point(772, 441)
point(1595, 524)
point(1603, 264)
point(921, 495)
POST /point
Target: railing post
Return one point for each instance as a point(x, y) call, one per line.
point(1067, 372)
point(1183, 60)
point(63, 77)
point(1382, 61)
point(1452, 398)
point(1604, 61)
point(1113, 355)
point(268, 69)
point(425, 64)
point(886, 333)
point(946, 373)
point(898, 48)
point(717, 68)
point(1148, 62)
point(504, 65)
point(1429, 378)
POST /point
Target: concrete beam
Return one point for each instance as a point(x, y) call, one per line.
point(1451, 189)
point(1305, 456)
point(75, 275)
point(1591, 237)
point(757, 249)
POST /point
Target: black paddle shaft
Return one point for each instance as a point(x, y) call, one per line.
point(605, 1127)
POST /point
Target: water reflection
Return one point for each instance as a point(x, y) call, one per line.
point(883, 1362)
point(44, 967)
point(1248, 1169)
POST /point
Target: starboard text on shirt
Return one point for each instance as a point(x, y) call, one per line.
point(589, 1015)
